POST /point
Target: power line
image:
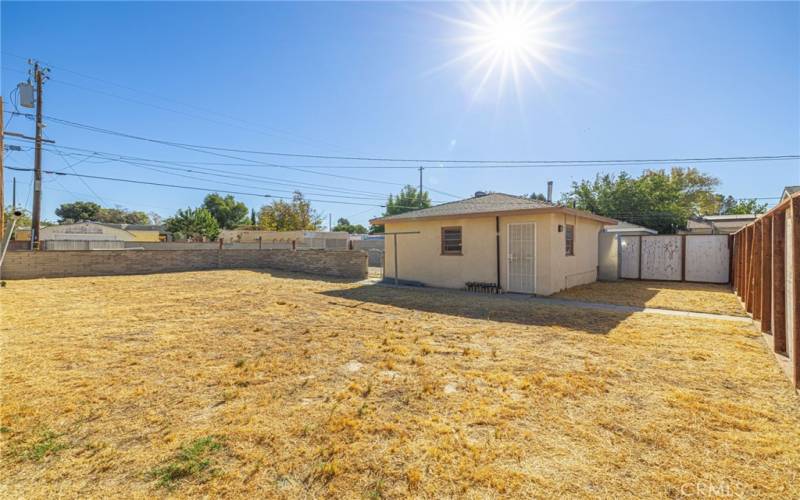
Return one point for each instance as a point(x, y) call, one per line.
point(250, 161)
point(458, 163)
point(195, 188)
point(277, 132)
point(114, 157)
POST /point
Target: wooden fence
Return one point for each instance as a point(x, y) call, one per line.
point(766, 263)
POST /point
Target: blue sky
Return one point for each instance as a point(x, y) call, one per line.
point(623, 81)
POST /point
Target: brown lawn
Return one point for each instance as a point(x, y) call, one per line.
point(694, 297)
point(250, 384)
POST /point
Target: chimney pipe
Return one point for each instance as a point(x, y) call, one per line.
point(549, 191)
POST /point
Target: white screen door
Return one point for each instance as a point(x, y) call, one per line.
point(521, 257)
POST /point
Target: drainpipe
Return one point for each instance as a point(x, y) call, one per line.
point(497, 236)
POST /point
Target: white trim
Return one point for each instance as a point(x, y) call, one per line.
point(508, 251)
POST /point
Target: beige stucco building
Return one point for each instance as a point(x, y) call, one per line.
point(522, 245)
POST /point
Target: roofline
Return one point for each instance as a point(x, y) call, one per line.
point(496, 213)
point(631, 230)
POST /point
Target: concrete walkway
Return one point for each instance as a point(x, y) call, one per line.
point(578, 303)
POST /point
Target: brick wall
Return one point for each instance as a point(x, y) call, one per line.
point(29, 265)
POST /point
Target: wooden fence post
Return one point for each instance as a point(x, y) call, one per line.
point(796, 290)
point(748, 284)
point(766, 274)
point(683, 258)
point(779, 281)
point(757, 269)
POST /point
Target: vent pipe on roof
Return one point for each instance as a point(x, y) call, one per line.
point(549, 191)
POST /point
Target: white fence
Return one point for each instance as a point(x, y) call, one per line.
point(701, 258)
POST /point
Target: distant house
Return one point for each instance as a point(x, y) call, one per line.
point(302, 239)
point(718, 224)
point(519, 244)
point(788, 191)
point(86, 231)
point(623, 228)
point(143, 232)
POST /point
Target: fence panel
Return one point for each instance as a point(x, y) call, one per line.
point(661, 258)
point(707, 258)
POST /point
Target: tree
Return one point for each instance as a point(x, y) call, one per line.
point(253, 217)
point(657, 199)
point(228, 212)
point(24, 220)
point(296, 215)
point(195, 223)
point(535, 196)
point(409, 198)
point(90, 211)
point(155, 218)
point(728, 205)
point(121, 216)
point(344, 225)
point(77, 211)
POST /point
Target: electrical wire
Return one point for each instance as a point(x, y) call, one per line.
point(195, 188)
point(460, 163)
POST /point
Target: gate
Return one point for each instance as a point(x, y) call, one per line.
point(691, 257)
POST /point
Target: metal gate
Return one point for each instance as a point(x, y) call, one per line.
point(522, 257)
point(691, 257)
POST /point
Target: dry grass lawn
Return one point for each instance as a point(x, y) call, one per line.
point(695, 297)
point(250, 384)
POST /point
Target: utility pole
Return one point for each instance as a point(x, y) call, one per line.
point(2, 178)
point(36, 224)
point(13, 193)
point(421, 168)
point(330, 221)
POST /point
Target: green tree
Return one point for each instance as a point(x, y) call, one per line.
point(657, 199)
point(121, 216)
point(253, 217)
point(344, 225)
point(728, 205)
point(536, 196)
point(295, 215)
point(228, 212)
point(77, 211)
point(24, 220)
point(195, 223)
point(409, 198)
point(90, 211)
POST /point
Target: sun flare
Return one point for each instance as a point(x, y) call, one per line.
point(507, 42)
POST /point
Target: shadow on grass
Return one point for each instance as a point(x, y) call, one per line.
point(519, 309)
point(674, 295)
point(296, 275)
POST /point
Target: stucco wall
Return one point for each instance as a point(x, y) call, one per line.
point(420, 259)
point(28, 265)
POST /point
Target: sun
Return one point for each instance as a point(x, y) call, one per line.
point(509, 42)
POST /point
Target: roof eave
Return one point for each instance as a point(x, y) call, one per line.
point(543, 210)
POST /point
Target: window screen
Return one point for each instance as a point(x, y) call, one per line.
point(451, 240)
point(569, 232)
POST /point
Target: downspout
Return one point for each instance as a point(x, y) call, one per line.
point(497, 236)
